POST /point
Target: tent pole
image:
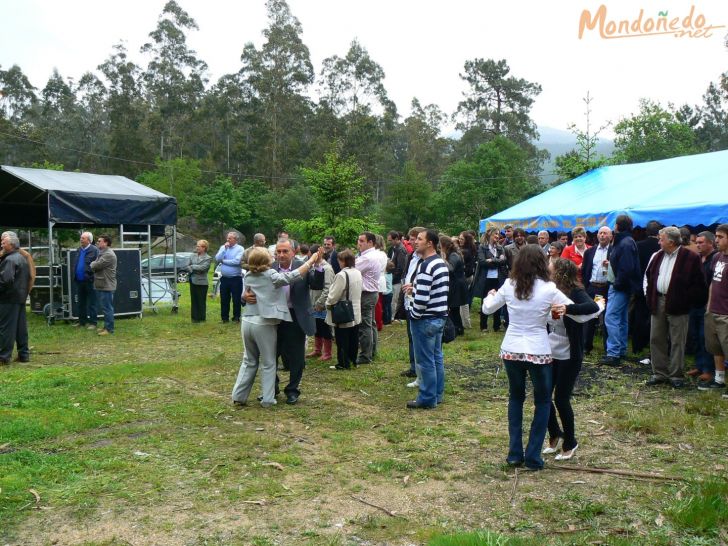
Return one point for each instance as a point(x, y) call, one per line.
point(149, 266)
point(175, 296)
point(50, 319)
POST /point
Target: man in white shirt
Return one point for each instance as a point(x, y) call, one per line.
point(594, 276)
point(369, 265)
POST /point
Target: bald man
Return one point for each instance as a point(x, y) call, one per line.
point(594, 276)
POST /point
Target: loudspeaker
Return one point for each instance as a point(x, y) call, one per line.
point(128, 294)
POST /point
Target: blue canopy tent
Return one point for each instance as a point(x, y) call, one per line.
point(689, 190)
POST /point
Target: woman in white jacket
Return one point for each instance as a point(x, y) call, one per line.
point(525, 350)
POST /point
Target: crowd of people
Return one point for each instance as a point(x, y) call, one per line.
point(667, 291)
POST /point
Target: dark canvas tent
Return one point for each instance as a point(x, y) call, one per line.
point(687, 190)
point(37, 197)
point(46, 199)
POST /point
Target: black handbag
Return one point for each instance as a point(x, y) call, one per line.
point(343, 311)
point(449, 333)
point(316, 279)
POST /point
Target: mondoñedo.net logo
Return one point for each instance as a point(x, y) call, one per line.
point(692, 24)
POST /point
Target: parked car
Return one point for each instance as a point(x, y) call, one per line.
point(163, 264)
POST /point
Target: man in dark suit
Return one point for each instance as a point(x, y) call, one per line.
point(594, 276)
point(675, 285)
point(640, 313)
point(292, 335)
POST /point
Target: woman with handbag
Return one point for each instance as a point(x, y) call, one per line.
point(491, 273)
point(343, 306)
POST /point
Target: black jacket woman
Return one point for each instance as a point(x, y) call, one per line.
point(566, 338)
point(470, 259)
point(458, 293)
point(490, 274)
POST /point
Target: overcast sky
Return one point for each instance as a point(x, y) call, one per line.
point(421, 44)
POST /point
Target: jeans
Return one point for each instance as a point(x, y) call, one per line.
point(541, 381)
point(105, 300)
point(703, 359)
point(427, 342)
point(387, 308)
point(615, 320)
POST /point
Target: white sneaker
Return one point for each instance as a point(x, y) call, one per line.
point(414, 385)
point(645, 361)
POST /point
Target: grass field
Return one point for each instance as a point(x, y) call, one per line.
point(132, 439)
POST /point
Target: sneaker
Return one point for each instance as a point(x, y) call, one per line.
point(414, 385)
point(104, 332)
point(710, 385)
point(91, 327)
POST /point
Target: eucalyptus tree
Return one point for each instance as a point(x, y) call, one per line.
point(56, 122)
point(17, 95)
point(279, 74)
point(127, 111)
point(174, 80)
point(352, 88)
point(17, 101)
point(92, 121)
point(422, 143)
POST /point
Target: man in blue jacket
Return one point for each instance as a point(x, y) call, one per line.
point(624, 280)
point(83, 279)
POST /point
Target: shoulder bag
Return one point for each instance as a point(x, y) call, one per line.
point(343, 311)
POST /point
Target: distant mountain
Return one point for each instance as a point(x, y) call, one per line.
point(558, 142)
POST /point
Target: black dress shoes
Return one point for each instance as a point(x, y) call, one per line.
point(610, 361)
point(655, 380)
point(291, 399)
point(414, 404)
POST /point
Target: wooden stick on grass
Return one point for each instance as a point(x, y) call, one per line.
point(388, 512)
point(515, 486)
point(616, 472)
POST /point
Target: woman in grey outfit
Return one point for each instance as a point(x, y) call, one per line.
point(198, 268)
point(260, 323)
